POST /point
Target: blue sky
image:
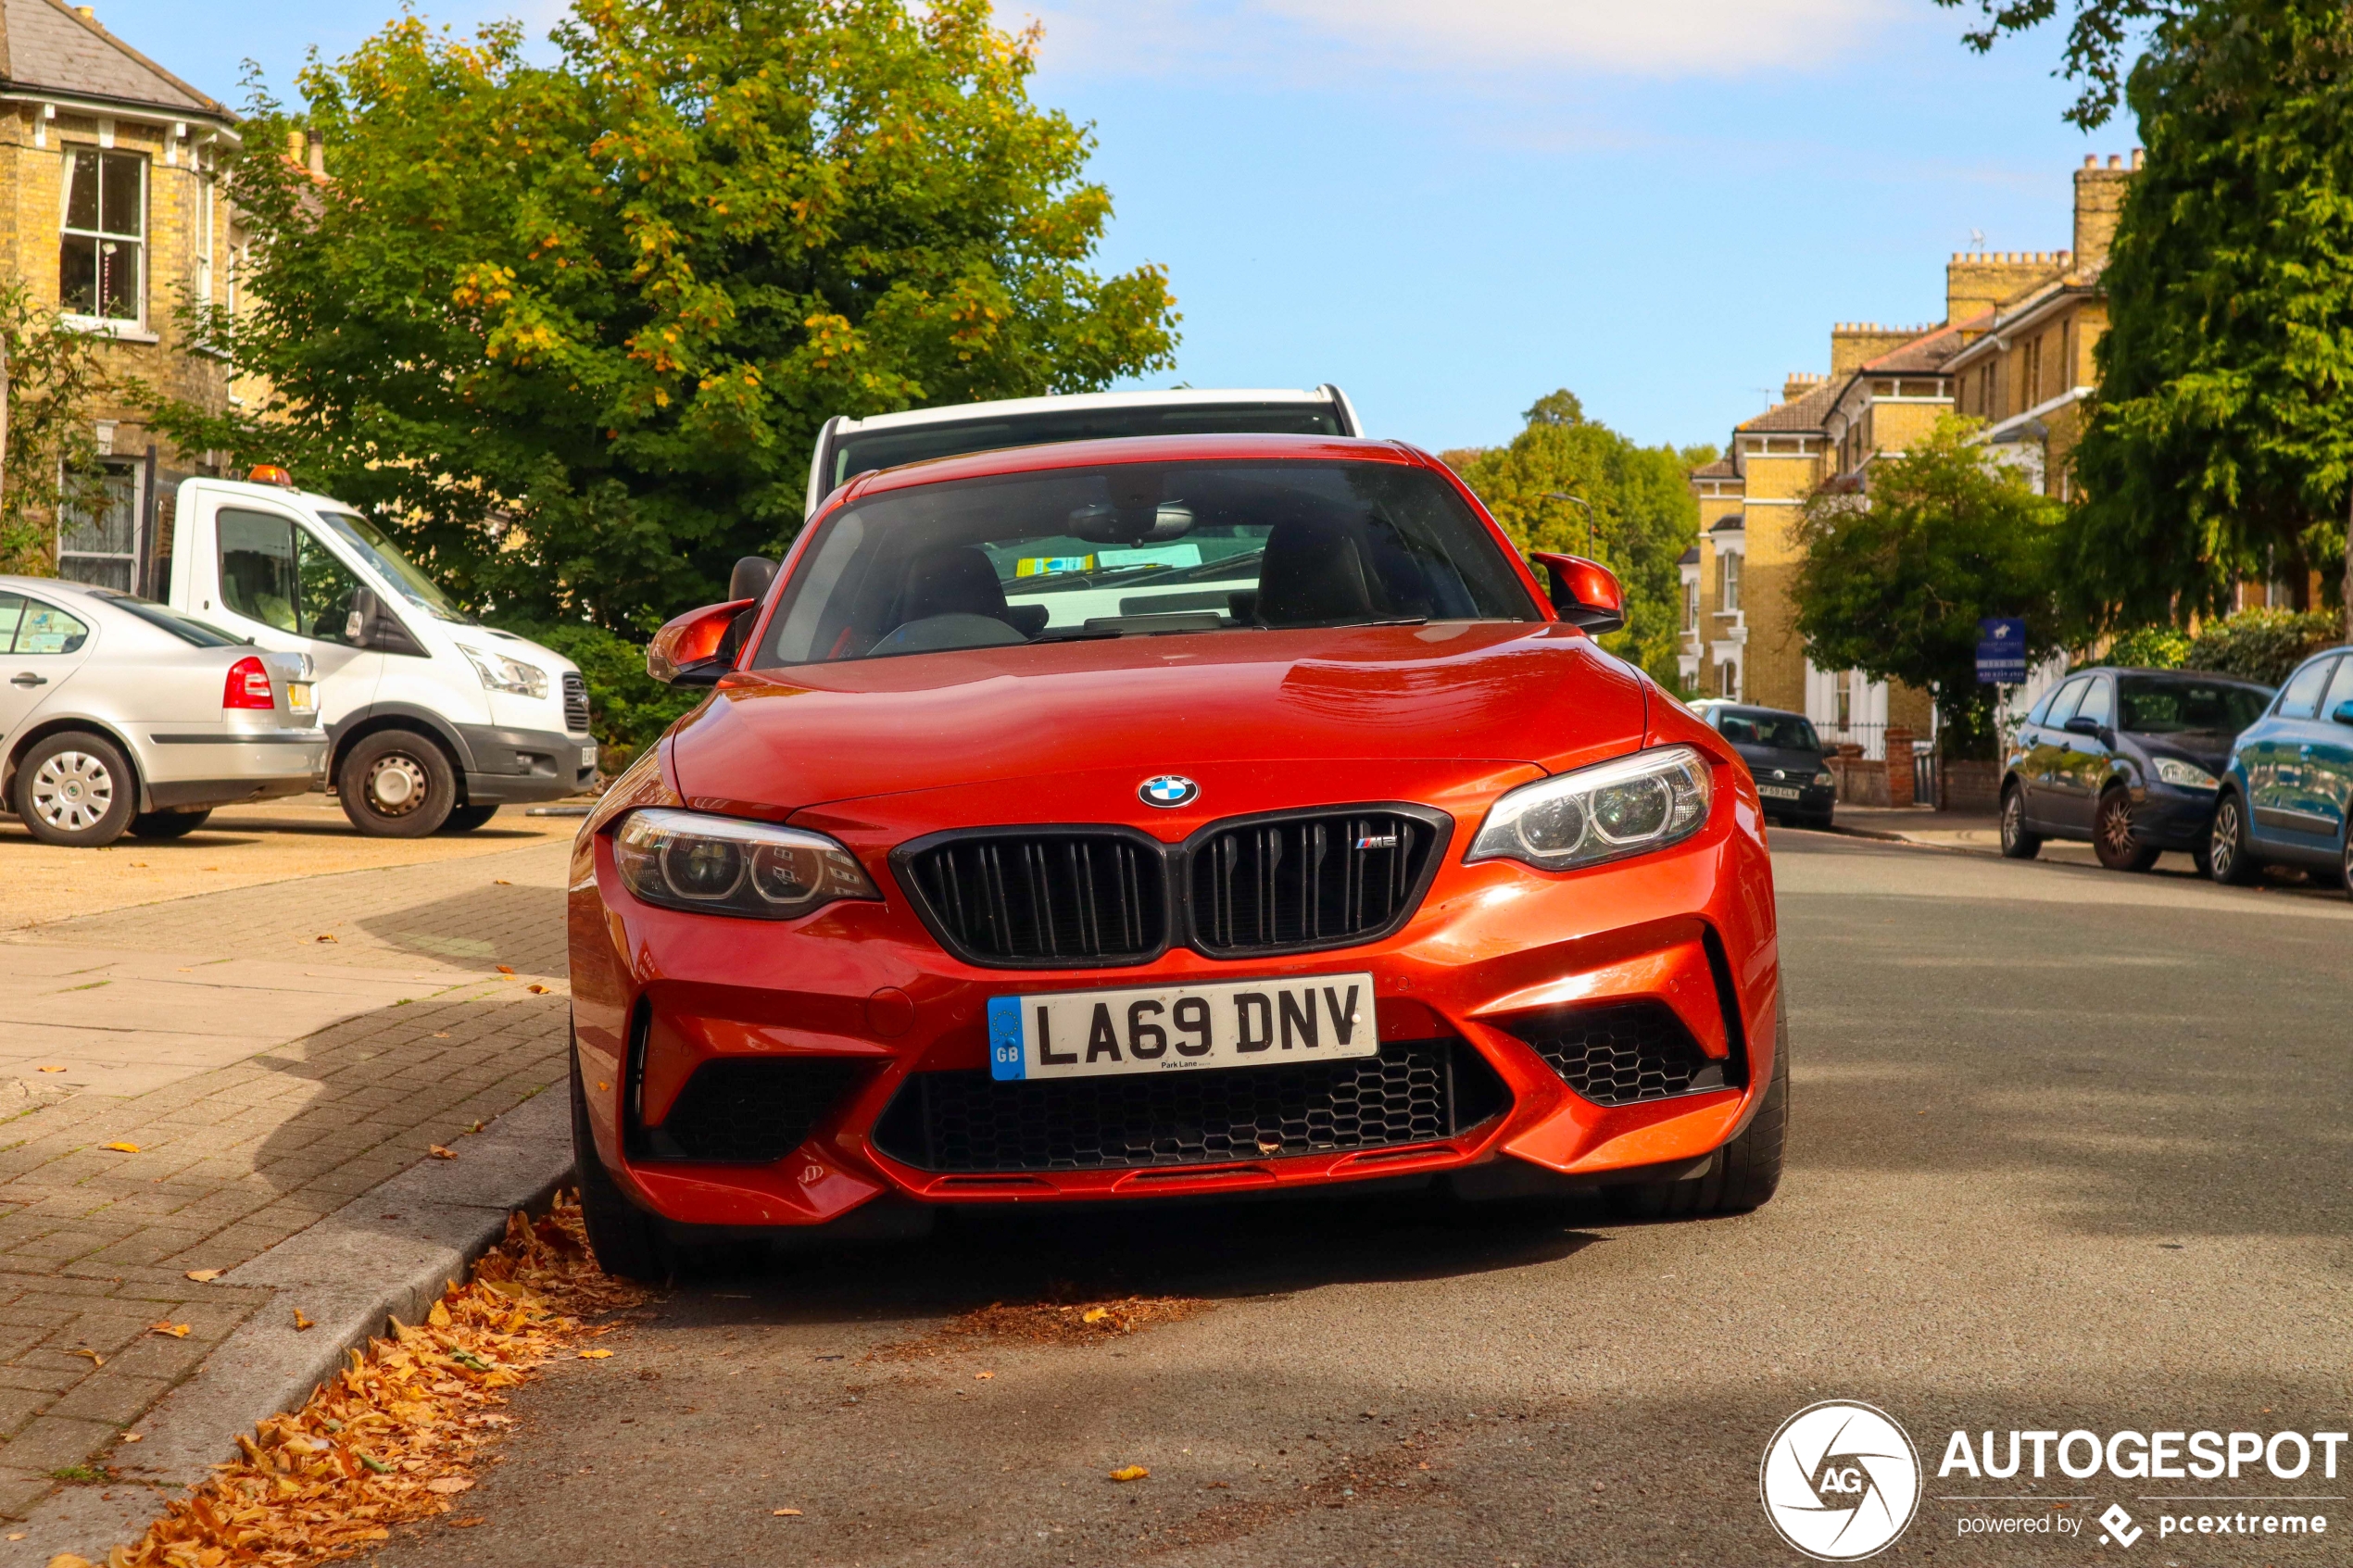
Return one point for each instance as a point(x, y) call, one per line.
point(1449, 210)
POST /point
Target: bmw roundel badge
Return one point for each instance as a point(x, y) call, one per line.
point(1168, 789)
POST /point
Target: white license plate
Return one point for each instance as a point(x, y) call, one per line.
point(587, 755)
point(1165, 1028)
point(1777, 792)
point(299, 698)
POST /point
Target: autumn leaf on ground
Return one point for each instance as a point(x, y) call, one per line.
point(53, 1070)
point(983, 1376)
point(95, 1359)
point(449, 1486)
point(1131, 1473)
point(506, 969)
point(500, 881)
point(177, 1330)
point(302, 1323)
point(134, 1436)
point(206, 1276)
point(440, 1153)
point(121, 1147)
point(784, 1514)
point(593, 1355)
point(1096, 1314)
point(537, 990)
point(326, 936)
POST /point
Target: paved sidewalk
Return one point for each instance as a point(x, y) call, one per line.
point(265, 1079)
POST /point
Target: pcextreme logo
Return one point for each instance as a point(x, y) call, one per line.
point(1839, 1481)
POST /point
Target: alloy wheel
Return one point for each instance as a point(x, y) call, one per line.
point(73, 791)
point(2013, 819)
point(2222, 848)
point(396, 785)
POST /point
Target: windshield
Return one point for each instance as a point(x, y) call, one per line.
point(1139, 549)
point(406, 578)
point(186, 628)
point(2158, 706)
point(858, 452)
point(1782, 731)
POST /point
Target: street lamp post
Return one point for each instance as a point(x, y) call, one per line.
point(1579, 501)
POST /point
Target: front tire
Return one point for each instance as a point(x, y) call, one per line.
point(168, 824)
point(465, 819)
point(2018, 843)
point(628, 1242)
point(2112, 838)
point(75, 789)
point(2230, 860)
point(397, 784)
point(1747, 1171)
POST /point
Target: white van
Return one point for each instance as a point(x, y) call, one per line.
point(847, 447)
point(433, 719)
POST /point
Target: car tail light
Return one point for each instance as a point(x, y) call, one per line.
point(248, 685)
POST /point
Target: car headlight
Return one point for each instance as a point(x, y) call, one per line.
point(2185, 775)
point(1825, 777)
point(503, 674)
point(724, 866)
point(1605, 812)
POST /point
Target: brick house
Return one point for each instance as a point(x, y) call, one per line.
point(112, 211)
point(2014, 349)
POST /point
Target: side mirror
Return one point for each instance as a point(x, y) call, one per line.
point(2344, 714)
point(1584, 592)
point(371, 626)
point(2079, 725)
point(686, 651)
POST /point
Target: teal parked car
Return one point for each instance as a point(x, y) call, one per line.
point(2284, 799)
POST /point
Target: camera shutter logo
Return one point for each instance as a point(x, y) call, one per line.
point(1839, 1481)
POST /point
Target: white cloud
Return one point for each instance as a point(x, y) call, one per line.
point(1658, 38)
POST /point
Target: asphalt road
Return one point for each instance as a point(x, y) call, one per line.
point(2069, 1152)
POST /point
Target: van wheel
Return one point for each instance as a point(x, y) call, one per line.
point(397, 784)
point(2228, 859)
point(168, 824)
point(2017, 843)
point(465, 819)
point(2112, 837)
point(75, 789)
point(1747, 1171)
point(628, 1242)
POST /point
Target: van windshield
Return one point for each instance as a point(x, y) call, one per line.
point(1141, 549)
point(856, 453)
point(408, 578)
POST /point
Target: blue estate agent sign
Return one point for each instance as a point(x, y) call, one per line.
point(2001, 650)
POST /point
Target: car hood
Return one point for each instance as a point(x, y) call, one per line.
point(1229, 703)
point(2209, 749)
point(1763, 760)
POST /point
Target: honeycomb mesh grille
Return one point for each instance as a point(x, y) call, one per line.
point(749, 1110)
point(1622, 1054)
point(1413, 1092)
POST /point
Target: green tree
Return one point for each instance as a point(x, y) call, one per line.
point(1633, 512)
point(1894, 582)
point(49, 379)
point(572, 327)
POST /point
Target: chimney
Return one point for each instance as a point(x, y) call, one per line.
point(1855, 344)
point(318, 157)
point(295, 140)
point(2100, 199)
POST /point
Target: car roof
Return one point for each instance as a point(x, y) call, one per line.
point(64, 586)
point(1748, 709)
point(954, 413)
point(1134, 449)
point(2174, 674)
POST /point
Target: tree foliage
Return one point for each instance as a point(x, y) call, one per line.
point(51, 377)
point(1894, 584)
point(1642, 515)
point(573, 327)
point(2220, 447)
point(2100, 38)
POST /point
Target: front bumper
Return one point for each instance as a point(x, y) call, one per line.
point(506, 766)
point(2168, 817)
point(1494, 956)
point(1812, 800)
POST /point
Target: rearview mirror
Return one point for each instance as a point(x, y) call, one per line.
point(1583, 591)
point(371, 626)
point(686, 651)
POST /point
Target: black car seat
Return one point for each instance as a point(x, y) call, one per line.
point(1313, 573)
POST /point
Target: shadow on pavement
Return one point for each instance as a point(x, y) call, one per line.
point(521, 927)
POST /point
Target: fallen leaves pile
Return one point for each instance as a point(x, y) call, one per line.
point(1064, 1318)
point(396, 1435)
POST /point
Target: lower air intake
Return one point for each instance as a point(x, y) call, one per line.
point(750, 1111)
point(1415, 1091)
point(1623, 1054)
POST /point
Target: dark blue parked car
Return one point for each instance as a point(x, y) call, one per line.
point(2284, 797)
point(2130, 759)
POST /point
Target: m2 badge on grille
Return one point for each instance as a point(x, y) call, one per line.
point(1160, 1029)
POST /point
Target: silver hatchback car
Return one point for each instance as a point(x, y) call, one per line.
point(119, 715)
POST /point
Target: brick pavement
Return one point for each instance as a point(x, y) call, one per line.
point(96, 1244)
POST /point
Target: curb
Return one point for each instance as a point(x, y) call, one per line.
point(387, 1253)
